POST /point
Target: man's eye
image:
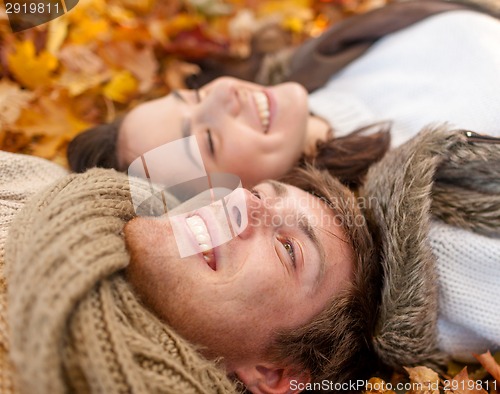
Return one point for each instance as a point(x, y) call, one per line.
point(290, 249)
point(256, 193)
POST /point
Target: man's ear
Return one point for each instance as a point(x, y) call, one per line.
point(268, 379)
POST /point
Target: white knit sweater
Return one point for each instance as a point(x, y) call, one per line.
point(443, 69)
point(468, 266)
point(20, 177)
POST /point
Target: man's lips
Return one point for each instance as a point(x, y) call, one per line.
point(202, 236)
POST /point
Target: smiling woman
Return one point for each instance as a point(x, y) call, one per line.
point(243, 128)
point(235, 123)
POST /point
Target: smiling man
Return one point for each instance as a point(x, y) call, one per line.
point(105, 303)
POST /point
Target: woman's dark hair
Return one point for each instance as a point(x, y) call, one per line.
point(95, 147)
point(348, 158)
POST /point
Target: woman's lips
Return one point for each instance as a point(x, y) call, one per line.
point(263, 107)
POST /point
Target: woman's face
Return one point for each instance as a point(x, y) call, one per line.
point(242, 128)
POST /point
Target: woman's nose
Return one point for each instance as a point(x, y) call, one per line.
point(221, 97)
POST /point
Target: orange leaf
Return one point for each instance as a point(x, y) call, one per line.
point(461, 384)
point(490, 364)
point(50, 117)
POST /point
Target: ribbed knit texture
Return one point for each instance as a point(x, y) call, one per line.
point(468, 266)
point(20, 177)
point(76, 325)
point(442, 69)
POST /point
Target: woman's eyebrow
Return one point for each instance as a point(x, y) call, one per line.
point(178, 96)
point(186, 130)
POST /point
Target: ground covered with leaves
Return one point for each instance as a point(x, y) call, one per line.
point(104, 57)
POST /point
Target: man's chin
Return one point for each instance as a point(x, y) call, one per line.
point(143, 236)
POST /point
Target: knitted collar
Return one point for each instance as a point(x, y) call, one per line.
point(76, 324)
point(441, 174)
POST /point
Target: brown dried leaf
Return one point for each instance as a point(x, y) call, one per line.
point(77, 83)
point(425, 380)
point(462, 384)
point(81, 58)
point(140, 62)
point(490, 364)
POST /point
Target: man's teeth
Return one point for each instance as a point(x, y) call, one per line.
point(263, 108)
point(200, 232)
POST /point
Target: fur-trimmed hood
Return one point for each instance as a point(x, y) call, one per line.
point(453, 176)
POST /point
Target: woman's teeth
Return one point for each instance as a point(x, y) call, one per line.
point(263, 108)
point(202, 236)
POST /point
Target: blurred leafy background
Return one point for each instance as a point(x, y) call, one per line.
point(104, 57)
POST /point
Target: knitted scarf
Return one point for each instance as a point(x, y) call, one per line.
point(76, 325)
point(439, 174)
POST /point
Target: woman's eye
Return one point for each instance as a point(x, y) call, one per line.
point(210, 143)
point(289, 247)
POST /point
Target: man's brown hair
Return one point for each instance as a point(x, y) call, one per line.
point(336, 344)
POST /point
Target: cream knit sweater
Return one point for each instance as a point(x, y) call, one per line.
point(20, 177)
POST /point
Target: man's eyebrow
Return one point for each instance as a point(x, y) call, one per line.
point(306, 228)
point(279, 189)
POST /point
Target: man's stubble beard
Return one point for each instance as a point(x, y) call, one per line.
point(170, 290)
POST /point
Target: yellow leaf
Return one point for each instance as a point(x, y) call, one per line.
point(140, 6)
point(182, 22)
point(89, 30)
point(87, 9)
point(12, 100)
point(29, 69)
point(58, 30)
point(294, 24)
point(122, 87)
point(122, 16)
point(283, 6)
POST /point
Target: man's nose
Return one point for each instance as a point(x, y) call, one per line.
point(258, 216)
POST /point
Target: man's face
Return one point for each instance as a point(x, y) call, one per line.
point(277, 274)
